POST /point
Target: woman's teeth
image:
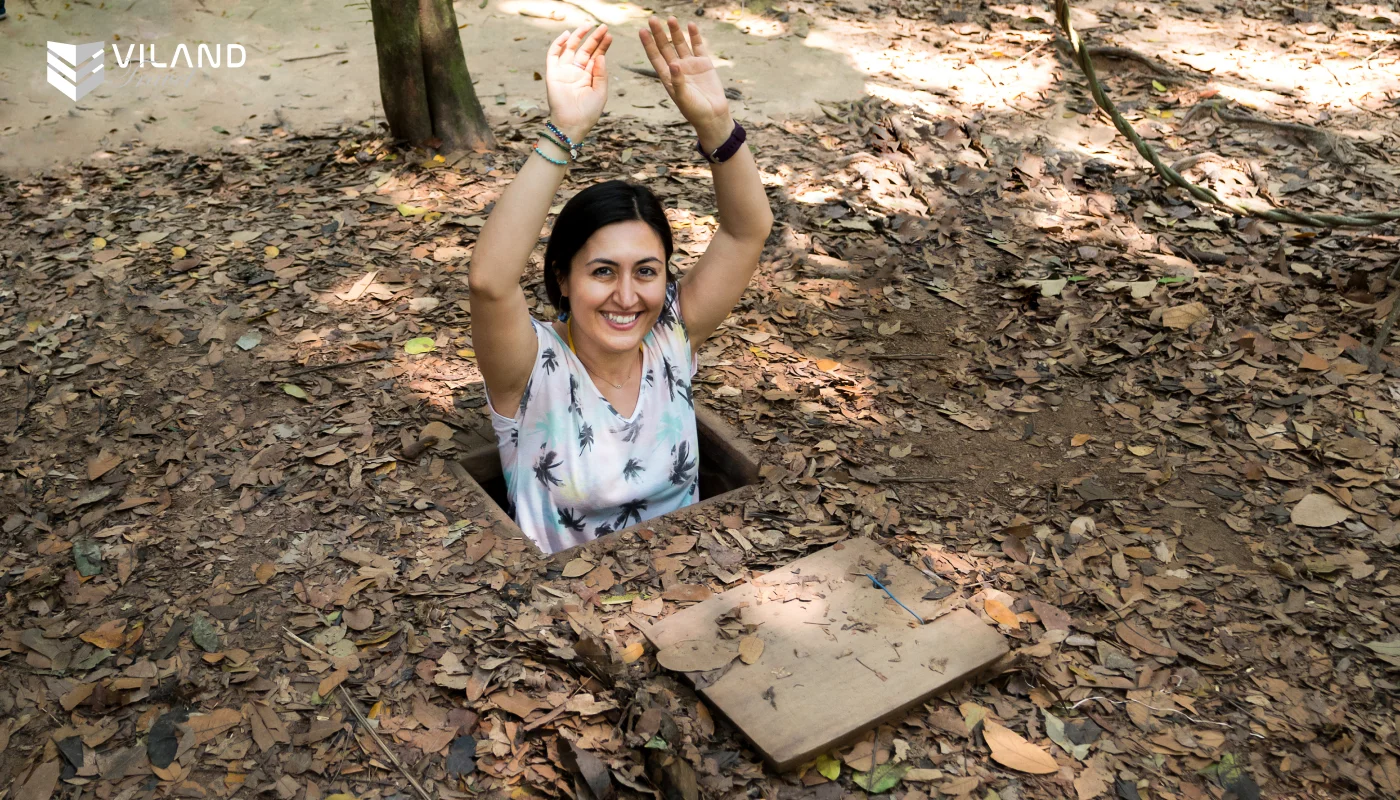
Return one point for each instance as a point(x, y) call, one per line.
point(621, 319)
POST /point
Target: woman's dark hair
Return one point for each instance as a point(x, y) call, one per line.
point(597, 206)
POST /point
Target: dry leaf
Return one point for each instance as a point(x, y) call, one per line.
point(359, 619)
point(263, 572)
point(1134, 638)
point(687, 592)
point(104, 463)
point(1184, 316)
point(1003, 615)
point(632, 652)
point(697, 655)
point(207, 727)
point(750, 649)
point(1011, 750)
point(577, 568)
point(1319, 511)
point(109, 635)
point(518, 703)
point(331, 681)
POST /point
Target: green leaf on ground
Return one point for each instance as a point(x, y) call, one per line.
point(881, 779)
point(423, 344)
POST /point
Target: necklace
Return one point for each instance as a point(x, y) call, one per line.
point(569, 327)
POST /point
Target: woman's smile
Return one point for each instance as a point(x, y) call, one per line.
point(621, 322)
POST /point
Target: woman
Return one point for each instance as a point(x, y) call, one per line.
point(593, 413)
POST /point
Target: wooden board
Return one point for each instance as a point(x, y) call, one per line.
point(838, 655)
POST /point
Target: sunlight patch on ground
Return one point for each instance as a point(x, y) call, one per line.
point(551, 14)
point(962, 76)
point(1291, 66)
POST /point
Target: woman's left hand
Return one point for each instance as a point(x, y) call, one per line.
point(689, 76)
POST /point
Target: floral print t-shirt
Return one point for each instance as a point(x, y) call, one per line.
point(575, 468)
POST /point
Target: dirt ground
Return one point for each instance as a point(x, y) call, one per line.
point(1139, 436)
point(311, 67)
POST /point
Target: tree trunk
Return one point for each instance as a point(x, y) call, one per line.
point(426, 89)
point(458, 119)
point(403, 87)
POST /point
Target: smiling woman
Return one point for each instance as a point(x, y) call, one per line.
point(593, 413)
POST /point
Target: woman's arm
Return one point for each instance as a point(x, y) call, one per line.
point(710, 290)
point(502, 335)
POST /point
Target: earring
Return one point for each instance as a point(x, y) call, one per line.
point(564, 315)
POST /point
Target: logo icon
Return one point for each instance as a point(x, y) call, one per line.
point(75, 69)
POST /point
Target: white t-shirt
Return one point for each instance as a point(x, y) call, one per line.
point(575, 468)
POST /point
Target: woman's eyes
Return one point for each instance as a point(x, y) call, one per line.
point(605, 272)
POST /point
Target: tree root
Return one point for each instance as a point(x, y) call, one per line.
point(1328, 145)
point(1164, 74)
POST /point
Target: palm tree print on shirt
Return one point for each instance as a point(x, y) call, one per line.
point(632, 469)
point(550, 359)
point(545, 466)
point(670, 429)
point(568, 520)
point(629, 510)
point(574, 407)
point(525, 398)
point(668, 374)
point(682, 465)
point(603, 530)
point(630, 430)
point(585, 438)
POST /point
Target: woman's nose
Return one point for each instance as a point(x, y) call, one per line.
point(626, 292)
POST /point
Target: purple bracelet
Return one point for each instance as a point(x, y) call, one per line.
point(730, 147)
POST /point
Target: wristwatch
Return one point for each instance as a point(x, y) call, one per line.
point(730, 147)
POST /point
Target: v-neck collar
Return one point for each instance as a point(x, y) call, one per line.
point(587, 376)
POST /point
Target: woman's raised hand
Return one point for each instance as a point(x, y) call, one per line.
point(576, 79)
point(689, 75)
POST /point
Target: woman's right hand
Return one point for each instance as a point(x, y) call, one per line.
point(576, 79)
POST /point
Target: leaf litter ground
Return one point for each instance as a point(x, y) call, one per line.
point(1136, 436)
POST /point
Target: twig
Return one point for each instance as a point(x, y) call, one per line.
point(1154, 708)
point(918, 480)
point(1085, 62)
point(359, 715)
point(903, 356)
point(380, 356)
point(649, 73)
point(317, 55)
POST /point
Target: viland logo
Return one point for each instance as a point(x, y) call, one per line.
point(77, 69)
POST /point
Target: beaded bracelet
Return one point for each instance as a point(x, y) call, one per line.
point(564, 139)
point(556, 162)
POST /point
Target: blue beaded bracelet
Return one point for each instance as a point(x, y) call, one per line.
point(556, 162)
point(564, 140)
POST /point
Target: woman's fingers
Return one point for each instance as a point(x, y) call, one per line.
point(663, 40)
point(697, 43)
point(591, 45)
point(575, 41)
point(678, 38)
point(658, 63)
point(556, 48)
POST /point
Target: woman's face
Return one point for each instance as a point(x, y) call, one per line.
point(617, 285)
